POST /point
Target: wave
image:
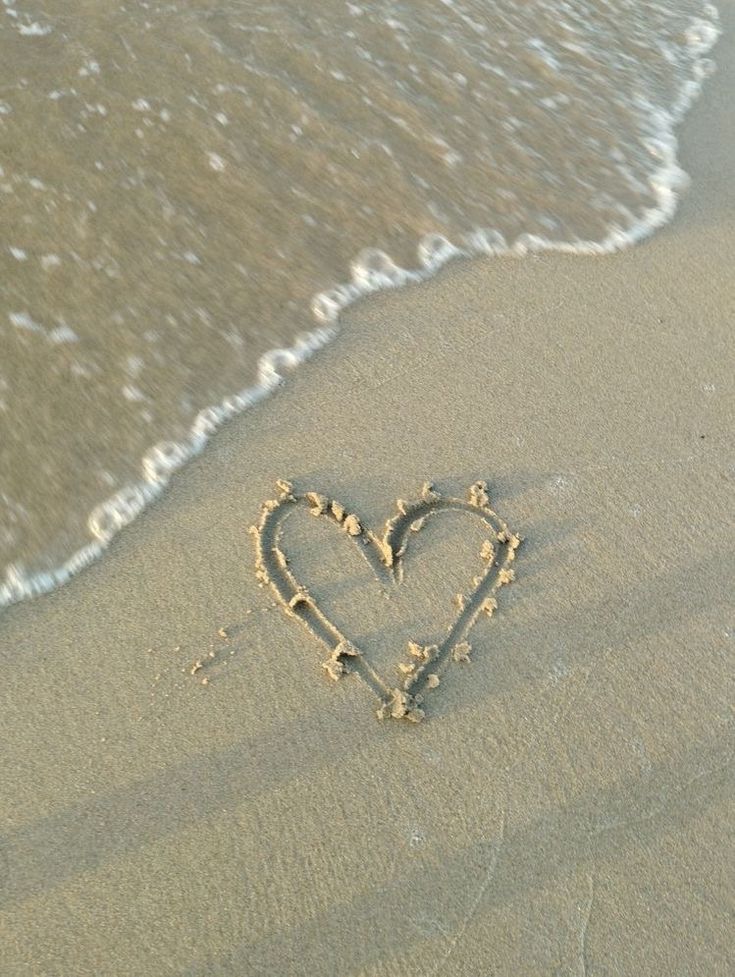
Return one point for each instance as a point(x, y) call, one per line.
point(374, 270)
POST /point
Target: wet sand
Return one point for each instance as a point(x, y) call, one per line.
point(186, 791)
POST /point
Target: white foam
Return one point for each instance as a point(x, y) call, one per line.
point(216, 162)
point(22, 320)
point(132, 393)
point(372, 270)
point(62, 334)
point(34, 29)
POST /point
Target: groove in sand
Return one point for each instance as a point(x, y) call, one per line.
point(423, 668)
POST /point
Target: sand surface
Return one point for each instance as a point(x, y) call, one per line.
point(566, 806)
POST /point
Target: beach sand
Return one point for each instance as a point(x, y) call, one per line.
point(566, 806)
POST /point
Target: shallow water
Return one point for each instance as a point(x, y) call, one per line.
point(178, 181)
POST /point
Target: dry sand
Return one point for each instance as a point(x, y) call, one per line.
point(566, 807)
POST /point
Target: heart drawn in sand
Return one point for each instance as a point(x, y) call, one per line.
point(424, 664)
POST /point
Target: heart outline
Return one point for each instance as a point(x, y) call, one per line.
point(385, 555)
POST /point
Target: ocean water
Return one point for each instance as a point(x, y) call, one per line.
point(190, 192)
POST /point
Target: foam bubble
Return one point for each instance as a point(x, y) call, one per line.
point(434, 250)
point(162, 460)
point(34, 29)
point(487, 241)
point(22, 320)
point(326, 306)
point(373, 268)
point(701, 35)
point(109, 518)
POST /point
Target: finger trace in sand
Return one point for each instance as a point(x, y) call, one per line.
point(423, 668)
